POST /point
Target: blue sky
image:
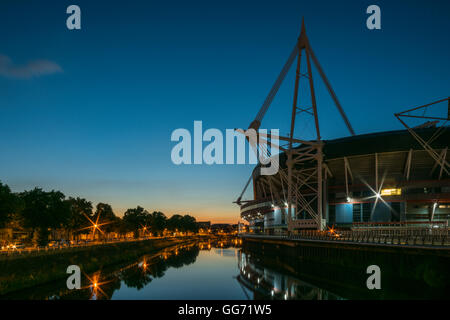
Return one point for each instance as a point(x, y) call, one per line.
point(90, 112)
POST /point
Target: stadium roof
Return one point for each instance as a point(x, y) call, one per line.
point(388, 141)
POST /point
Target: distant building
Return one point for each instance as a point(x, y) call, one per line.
point(222, 228)
point(13, 232)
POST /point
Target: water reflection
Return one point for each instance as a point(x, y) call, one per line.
point(218, 269)
point(264, 283)
point(137, 275)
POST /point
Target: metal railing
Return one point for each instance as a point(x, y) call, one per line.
point(405, 237)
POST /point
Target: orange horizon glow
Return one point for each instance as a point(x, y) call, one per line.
point(225, 217)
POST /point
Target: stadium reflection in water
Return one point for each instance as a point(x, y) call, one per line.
point(266, 283)
point(199, 270)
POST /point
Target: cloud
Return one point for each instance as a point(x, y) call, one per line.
point(32, 69)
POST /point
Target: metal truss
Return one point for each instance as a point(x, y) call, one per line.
point(304, 174)
point(440, 158)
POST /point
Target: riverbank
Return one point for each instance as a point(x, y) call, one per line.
point(25, 271)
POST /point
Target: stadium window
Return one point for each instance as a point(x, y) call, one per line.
point(356, 212)
point(395, 211)
point(366, 210)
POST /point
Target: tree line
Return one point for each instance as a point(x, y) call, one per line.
point(42, 211)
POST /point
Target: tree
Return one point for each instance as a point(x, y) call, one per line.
point(136, 219)
point(105, 218)
point(80, 211)
point(43, 211)
point(158, 222)
point(175, 222)
point(182, 223)
point(120, 227)
point(8, 204)
point(189, 223)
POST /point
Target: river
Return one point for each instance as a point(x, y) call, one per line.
point(225, 270)
point(199, 270)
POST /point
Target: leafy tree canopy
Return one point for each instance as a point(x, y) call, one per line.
point(105, 214)
point(44, 209)
point(8, 204)
point(80, 210)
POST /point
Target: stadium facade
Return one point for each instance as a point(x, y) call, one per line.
point(378, 179)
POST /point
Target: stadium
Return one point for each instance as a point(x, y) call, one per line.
point(370, 181)
point(377, 178)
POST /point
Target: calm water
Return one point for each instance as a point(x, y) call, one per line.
point(193, 273)
point(208, 270)
point(221, 269)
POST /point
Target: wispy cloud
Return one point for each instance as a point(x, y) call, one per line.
point(29, 70)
